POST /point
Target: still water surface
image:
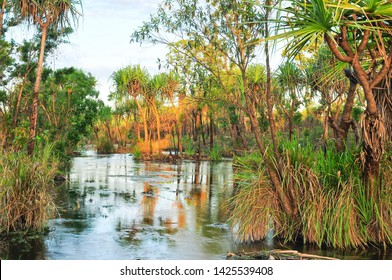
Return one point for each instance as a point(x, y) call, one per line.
point(119, 208)
point(114, 207)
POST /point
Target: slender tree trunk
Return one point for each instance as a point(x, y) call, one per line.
point(179, 136)
point(211, 132)
point(158, 124)
point(203, 136)
point(34, 107)
point(346, 121)
point(108, 133)
point(16, 113)
point(144, 120)
point(2, 11)
point(269, 101)
point(290, 128)
point(272, 172)
point(137, 126)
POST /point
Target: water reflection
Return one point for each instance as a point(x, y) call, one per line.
point(118, 208)
point(114, 207)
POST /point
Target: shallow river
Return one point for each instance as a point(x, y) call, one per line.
point(114, 207)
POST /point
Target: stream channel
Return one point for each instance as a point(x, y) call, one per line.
point(113, 207)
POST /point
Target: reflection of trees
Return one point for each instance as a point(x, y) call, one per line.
point(149, 201)
point(208, 196)
point(181, 214)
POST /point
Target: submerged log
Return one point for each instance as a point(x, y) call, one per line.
point(275, 255)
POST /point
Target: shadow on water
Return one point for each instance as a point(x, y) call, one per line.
point(114, 207)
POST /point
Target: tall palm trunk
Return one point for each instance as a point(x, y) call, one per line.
point(383, 97)
point(157, 121)
point(2, 11)
point(269, 101)
point(341, 130)
point(144, 120)
point(373, 131)
point(37, 85)
point(271, 170)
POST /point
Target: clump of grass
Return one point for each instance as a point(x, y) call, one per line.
point(137, 153)
point(253, 205)
point(215, 153)
point(26, 198)
point(327, 195)
point(105, 146)
point(188, 146)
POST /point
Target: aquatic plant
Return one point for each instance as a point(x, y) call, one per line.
point(26, 197)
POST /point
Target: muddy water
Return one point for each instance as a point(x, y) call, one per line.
point(114, 207)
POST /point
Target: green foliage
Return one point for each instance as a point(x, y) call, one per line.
point(216, 153)
point(26, 198)
point(188, 146)
point(70, 103)
point(336, 168)
point(55, 13)
point(137, 153)
point(105, 146)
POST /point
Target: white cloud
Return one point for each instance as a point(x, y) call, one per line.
point(101, 44)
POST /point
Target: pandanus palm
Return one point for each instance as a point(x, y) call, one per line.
point(156, 87)
point(132, 81)
point(44, 14)
point(290, 80)
point(357, 33)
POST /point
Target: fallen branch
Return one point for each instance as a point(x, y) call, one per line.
point(277, 255)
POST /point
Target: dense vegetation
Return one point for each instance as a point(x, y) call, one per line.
point(44, 114)
point(310, 138)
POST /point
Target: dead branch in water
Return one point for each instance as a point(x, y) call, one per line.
point(277, 255)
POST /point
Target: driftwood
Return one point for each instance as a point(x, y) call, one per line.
point(275, 255)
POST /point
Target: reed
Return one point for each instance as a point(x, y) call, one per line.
point(26, 196)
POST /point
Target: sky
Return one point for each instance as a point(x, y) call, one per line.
point(101, 41)
point(101, 44)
